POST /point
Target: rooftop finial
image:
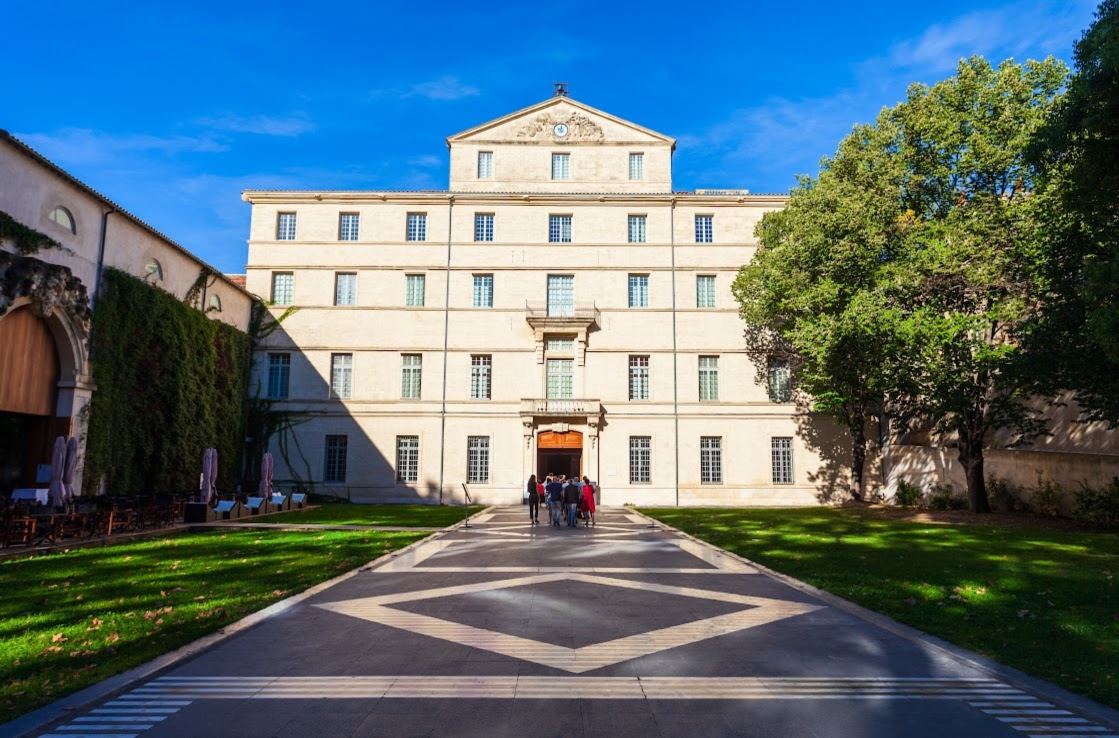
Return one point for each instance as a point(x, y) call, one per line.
point(561, 89)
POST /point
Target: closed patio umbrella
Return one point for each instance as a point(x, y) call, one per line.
point(204, 481)
point(213, 474)
point(265, 476)
point(58, 464)
point(69, 468)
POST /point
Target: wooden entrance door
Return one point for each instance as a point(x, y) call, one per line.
point(559, 453)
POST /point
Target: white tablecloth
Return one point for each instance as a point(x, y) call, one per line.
point(39, 495)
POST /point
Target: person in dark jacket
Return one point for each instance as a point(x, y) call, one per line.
point(555, 499)
point(571, 502)
point(533, 501)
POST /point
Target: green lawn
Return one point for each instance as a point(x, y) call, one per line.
point(1043, 601)
point(71, 619)
point(429, 516)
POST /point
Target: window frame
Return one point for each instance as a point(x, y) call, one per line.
point(415, 290)
point(563, 159)
point(705, 290)
point(485, 172)
point(481, 376)
point(640, 459)
point(482, 291)
point(415, 229)
point(289, 290)
point(349, 226)
point(408, 459)
point(334, 470)
point(642, 291)
point(286, 224)
point(561, 228)
point(778, 380)
point(704, 228)
point(277, 385)
point(411, 376)
point(640, 376)
point(711, 460)
point(781, 459)
point(477, 459)
point(709, 389)
point(352, 292)
point(559, 385)
point(483, 227)
point(637, 228)
point(341, 373)
point(638, 158)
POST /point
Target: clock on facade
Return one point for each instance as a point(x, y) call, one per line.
point(560, 130)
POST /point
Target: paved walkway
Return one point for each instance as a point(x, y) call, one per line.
point(503, 629)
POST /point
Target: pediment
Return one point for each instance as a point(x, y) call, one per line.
point(585, 125)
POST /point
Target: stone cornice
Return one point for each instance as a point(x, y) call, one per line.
point(358, 197)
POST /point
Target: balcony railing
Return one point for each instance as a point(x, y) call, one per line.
point(554, 407)
point(577, 313)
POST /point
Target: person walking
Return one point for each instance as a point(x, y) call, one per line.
point(533, 501)
point(571, 502)
point(555, 499)
point(588, 503)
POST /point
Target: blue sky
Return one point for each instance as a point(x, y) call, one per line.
point(172, 110)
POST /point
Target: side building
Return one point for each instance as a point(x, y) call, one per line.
point(57, 238)
point(558, 309)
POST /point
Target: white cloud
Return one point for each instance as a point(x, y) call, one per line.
point(78, 146)
point(291, 125)
point(426, 161)
point(443, 89)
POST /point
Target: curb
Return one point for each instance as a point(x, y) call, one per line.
point(1059, 696)
point(62, 708)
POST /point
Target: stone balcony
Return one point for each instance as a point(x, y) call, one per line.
point(542, 407)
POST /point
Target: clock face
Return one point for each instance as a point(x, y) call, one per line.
point(560, 130)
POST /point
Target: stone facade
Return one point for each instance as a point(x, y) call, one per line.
point(570, 303)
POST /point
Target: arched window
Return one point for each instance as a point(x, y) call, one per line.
point(215, 303)
point(154, 270)
point(63, 217)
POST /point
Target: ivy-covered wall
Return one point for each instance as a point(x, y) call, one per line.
point(170, 382)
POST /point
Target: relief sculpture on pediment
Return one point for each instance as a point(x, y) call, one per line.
point(579, 126)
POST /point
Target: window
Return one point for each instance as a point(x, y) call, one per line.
point(411, 372)
point(154, 269)
point(215, 304)
point(637, 229)
point(407, 458)
point(349, 225)
point(417, 226)
point(480, 367)
point(561, 166)
point(285, 227)
point(708, 378)
point(704, 231)
point(483, 291)
point(559, 229)
point(62, 217)
point(414, 290)
point(561, 295)
point(705, 291)
point(335, 459)
point(345, 289)
point(560, 344)
point(778, 373)
point(639, 377)
point(283, 287)
point(711, 460)
point(637, 166)
point(478, 459)
point(485, 165)
point(782, 452)
point(640, 459)
point(560, 379)
point(341, 375)
point(483, 226)
point(279, 371)
point(639, 290)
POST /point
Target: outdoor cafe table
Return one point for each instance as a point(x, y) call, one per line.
point(39, 495)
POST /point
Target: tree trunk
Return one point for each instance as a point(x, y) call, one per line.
point(858, 460)
point(971, 456)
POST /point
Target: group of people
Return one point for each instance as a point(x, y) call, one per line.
point(566, 500)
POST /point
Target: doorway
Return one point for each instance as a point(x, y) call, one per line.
point(559, 453)
point(28, 397)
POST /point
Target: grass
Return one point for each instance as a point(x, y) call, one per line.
point(1043, 601)
point(430, 516)
point(73, 618)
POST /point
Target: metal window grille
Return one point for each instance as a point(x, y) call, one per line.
point(637, 166)
point(345, 289)
point(640, 459)
point(483, 290)
point(711, 460)
point(483, 227)
point(485, 165)
point(561, 296)
point(561, 166)
point(283, 287)
point(638, 290)
point(480, 370)
point(704, 229)
point(407, 458)
point(417, 226)
point(279, 372)
point(708, 378)
point(349, 224)
point(637, 228)
point(341, 375)
point(411, 374)
point(560, 344)
point(639, 377)
point(285, 227)
point(782, 452)
point(335, 470)
point(478, 459)
point(560, 379)
point(779, 388)
point(414, 290)
point(705, 291)
point(559, 229)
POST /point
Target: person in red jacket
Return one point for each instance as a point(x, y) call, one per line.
point(587, 503)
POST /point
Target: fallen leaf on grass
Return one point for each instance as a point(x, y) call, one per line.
point(113, 638)
point(58, 638)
